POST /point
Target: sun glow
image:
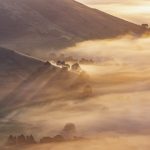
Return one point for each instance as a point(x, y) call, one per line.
point(138, 12)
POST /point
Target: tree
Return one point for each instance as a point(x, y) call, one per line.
point(60, 63)
point(21, 139)
point(11, 140)
point(67, 65)
point(69, 131)
point(145, 26)
point(76, 67)
point(30, 139)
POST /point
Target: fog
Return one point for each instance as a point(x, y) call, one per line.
point(137, 11)
point(126, 49)
point(117, 113)
point(103, 142)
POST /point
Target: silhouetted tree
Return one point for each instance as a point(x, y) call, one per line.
point(67, 65)
point(86, 61)
point(30, 140)
point(60, 63)
point(11, 140)
point(76, 67)
point(21, 139)
point(145, 26)
point(69, 131)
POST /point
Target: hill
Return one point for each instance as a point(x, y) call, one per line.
point(26, 81)
point(32, 25)
point(14, 68)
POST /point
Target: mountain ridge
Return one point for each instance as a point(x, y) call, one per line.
point(33, 26)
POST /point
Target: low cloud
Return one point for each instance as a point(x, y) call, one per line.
point(120, 101)
point(128, 2)
point(137, 11)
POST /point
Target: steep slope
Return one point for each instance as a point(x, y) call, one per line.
point(14, 61)
point(14, 68)
point(35, 24)
point(80, 20)
point(16, 65)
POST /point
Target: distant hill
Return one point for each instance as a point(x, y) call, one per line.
point(35, 25)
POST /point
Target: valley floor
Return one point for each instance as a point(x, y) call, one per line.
point(116, 142)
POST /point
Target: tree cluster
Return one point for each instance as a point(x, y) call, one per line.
point(20, 140)
point(145, 27)
point(63, 58)
point(68, 133)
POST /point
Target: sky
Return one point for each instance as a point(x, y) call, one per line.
point(137, 11)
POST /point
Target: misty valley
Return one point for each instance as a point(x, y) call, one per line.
point(102, 95)
point(73, 77)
